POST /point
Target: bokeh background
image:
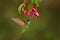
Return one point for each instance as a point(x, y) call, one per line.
point(46, 27)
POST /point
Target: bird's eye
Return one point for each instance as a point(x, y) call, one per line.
point(27, 20)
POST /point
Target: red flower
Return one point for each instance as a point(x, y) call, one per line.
point(29, 12)
point(33, 11)
point(25, 11)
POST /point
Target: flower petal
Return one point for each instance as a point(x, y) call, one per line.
point(37, 14)
point(29, 12)
point(25, 12)
point(34, 9)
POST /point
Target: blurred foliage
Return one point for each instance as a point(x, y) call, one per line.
point(46, 27)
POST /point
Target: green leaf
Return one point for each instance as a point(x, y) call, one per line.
point(33, 1)
point(37, 2)
point(20, 8)
point(29, 6)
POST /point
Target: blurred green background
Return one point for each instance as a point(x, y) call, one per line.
point(47, 27)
